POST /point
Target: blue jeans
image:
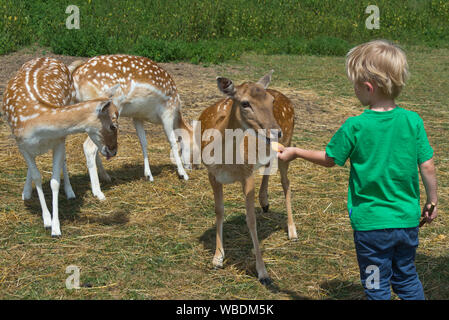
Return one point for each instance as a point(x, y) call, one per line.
point(387, 257)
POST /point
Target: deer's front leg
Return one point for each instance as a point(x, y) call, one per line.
point(67, 186)
point(101, 170)
point(219, 213)
point(248, 190)
point(37, 179)
point(90, 151)
point(263, 193)
point(283, 169)
point(138, 124)
point(28, 187)
point(58, 160)
point(167, 122)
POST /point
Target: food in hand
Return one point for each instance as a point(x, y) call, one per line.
point(424, 220)
point(276, 146)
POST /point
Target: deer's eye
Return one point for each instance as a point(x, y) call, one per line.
point(246, 104)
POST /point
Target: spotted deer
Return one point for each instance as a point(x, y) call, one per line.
point(37, 107)
point(148, 93)
point(248, 106)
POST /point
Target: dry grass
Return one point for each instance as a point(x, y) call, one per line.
point(156, 240)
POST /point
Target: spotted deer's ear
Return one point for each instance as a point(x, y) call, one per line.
point(226, 86)
point(102, 107)
point(75, 65)
point(266, 79)
point(111, 91)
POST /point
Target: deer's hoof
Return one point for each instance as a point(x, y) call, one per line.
point(265, 208)
point(106, 178)
point(26, 196)
point(47, 221)
point(100, 196)
point(70, 194)
point(217, 262)
point(292, 235)
point(183, 176)
point(266, 281)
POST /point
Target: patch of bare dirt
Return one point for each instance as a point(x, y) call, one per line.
point(196, 85)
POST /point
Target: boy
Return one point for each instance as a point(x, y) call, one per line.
point(385, 145)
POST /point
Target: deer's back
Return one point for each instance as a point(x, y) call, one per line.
point(38, 84)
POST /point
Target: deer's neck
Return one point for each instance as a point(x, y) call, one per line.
point(233, 122)
point(181, 124)
point(60, 122)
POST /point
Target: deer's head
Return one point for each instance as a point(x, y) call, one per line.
point(103, 129)
point(252, 105)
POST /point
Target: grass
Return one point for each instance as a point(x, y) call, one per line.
point(214, 31)
point(156, 240)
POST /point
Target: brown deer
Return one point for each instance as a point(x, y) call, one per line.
point(248, 106)
point(36, 105)
point(148, 93)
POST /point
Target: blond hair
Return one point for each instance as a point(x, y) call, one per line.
point(380, 61)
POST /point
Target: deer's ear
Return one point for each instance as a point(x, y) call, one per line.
point(111, 91)
point(266, 79)
point(75, 65)
point(226, 86)
point(102, 107)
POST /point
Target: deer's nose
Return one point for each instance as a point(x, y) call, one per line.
point(275, 132)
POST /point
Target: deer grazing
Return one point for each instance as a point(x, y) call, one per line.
point(36, 105)
point(248, 106)
point(148, 94)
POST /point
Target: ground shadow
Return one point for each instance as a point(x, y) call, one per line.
point(432, 271)
point(342, 290)
point(434, 275)
point(238, 245)
point(70, 209)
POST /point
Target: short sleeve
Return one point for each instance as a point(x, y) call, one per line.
point(342, 144)
point(425, 151)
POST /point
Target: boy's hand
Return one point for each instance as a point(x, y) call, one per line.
point(287, 154)
point(428, 213)
point(429, 179)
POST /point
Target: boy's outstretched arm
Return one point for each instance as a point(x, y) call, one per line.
point(317, 157)
point(428, 175)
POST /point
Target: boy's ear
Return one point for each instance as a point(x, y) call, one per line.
point(369, 86)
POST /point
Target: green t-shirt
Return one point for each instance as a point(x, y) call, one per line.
point(385, 149)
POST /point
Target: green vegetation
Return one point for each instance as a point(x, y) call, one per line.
point(215, 31)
